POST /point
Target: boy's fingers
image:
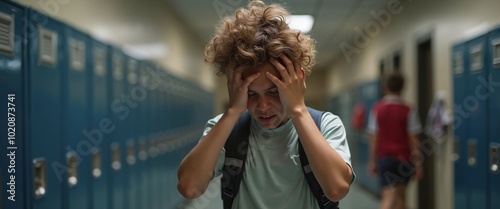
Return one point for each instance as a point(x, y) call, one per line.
point(283, 71)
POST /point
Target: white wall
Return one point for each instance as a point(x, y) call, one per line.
point(129, 22)
point(448, 22)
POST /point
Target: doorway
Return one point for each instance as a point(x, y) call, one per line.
point(425, 95)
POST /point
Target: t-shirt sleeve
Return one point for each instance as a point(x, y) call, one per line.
point(220, 161)
point(372, 126)
point(334, 132)
point(414, 126)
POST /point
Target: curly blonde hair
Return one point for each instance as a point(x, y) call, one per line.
point(251, 36)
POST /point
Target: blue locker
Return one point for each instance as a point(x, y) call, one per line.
point(476, 104)
point(101, 126)
point(48, 168)
point(124, 104)
point(77, 148)
point(12, 91)
point(132, 191)
point(494, 146)
point(460, 88)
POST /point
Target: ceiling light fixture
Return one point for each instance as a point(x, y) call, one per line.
point(304, 23)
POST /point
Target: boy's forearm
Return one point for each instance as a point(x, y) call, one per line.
point(196, 169)
point(336, 176)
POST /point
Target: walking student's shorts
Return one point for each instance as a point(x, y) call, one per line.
point(392, 171)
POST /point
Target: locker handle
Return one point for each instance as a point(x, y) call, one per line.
point(72, 161)
point(494, 158)
point(39, 177)
point(131, 153)
point(472, 152)
point(96, 163)
point(116, 162)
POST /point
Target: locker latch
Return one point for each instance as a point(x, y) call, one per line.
point(472, 153)
point(494, 158)
point(131, 152)
point(115, 150)
point(72, 161)
point(39, 177)
point(96, 163)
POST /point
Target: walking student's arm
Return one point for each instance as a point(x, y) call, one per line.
point(196, 169)
point(332, 172)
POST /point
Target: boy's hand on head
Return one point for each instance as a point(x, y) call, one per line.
point(292, 85)
point(238, 87)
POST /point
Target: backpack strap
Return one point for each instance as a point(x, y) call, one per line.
point(323, 201)
point(234, 164)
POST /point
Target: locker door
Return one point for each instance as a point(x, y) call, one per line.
point(133, 130)
point(100, 126)
point(47, 169)
point(12, 93)
point(125, 104)
point(476, 104)
point(460, 86)
point(77, 148)
point(494, 84)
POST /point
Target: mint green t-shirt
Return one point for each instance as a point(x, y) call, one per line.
point(273, 175)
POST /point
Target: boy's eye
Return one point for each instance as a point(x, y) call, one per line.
point(251, 94)
point(273, 92)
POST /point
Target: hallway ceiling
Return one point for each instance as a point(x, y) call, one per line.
point(335, 20)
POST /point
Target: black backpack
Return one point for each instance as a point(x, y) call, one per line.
point(236, 153)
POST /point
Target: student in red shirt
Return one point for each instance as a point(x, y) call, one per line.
point(394, 126)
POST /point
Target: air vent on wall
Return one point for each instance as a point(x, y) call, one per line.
point(48, 47)
point(6, 34)
point(77, 54)
point(99, 61)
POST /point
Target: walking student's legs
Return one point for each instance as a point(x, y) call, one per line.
point(393, 183)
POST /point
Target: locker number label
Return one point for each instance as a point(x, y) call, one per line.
point(11, 147)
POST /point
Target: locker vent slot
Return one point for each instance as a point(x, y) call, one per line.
point(48, 47)
point(96, 163)
point(118, 67)
point(132, 72)
point(458, 63)
point(99, 61)
point(72, 163)
point(476, 54)
point(39, 178)
point(77, 54)
point(116, 162)
point(6, 34)
point(496, 52)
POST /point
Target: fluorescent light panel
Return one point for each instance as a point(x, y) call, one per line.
point(303, 23)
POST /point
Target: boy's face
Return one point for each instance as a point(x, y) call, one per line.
point(264, 102)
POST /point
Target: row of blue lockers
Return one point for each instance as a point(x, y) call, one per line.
point(343, 105)
point(83, 125)
point(476, 108)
